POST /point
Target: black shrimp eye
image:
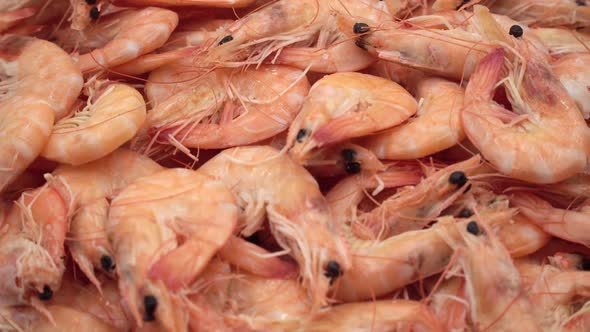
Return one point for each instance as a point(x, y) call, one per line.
point(348, 154)
point(473, 227)
point(106, 262)
point(584, 264)
point(91, 2)
point(458, 178)
point(352, 167)
point(516, 31)
point(333, 270)
point(150, 303)
point(301, 135)
point(360, 28)
point(94, 13)
point(581, 2)
point(226, 39)
point(465, 213)
point(47, 294)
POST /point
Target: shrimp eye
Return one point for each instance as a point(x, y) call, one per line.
point(150, 303)
point(94, 13)
point(458, 178)
point(360, 28)
point(585, 264)
point(516, 31)
point(47, 294)
point(581, 2)
point(465, 213)
point(333, 270)
point(226, 39)
point(91, 2)
point(473, 227)
point(352, 167)
point(301, 135)
point(107, 263)
point(348, 154)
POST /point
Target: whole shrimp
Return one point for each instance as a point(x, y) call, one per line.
point(347, 105)
point(88, 189)
point(543, 109)
point(32, 236)
point(545, 13)
point(164, 228)
point(571, 70)
point(268, 183)
point(225, 109)
point(437, 125)
point(304, 34)
point(120, 37)
point(115, 116)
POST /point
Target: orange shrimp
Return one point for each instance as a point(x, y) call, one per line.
point(572, 72)
point(268, 183)
point(88, 189)
point(224, 109)
point(546, 110)
point(436, 127)
point(347, 105)
point(341, 159)
point(163, 231)
point(32, 245)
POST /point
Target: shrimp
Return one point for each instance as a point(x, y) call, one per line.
point(303, 34)
point(397, 315)
point(547, 110)
point(545, 13)
point(226, 109)
point(32, 246)
point(436, 127)
point(449, 305)
point(195, 33)
point(578, 322)
point(493, 286)
point(88, 189)
point(414, 207)
point(40, 69)
point(99, 129)
point(571, 70)
point(173, 78)
point(347, 105)
point(566, 224)
point(12, 18)
point(164, 228)
point(120, 37)
point(559, 41)
point(343, 159)
point(66, 319)
point(267, 182)
point(177, 3)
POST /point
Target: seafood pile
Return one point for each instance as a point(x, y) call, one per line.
point(308, 165)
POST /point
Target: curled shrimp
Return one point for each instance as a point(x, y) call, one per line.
point(571, 70)
point(347, 105)
point(32, 247)
point(525, 147)
point(566, 224)
point(120, 37)
point(99, 129)
point(225, 109)
point(89, 188)
point(546, 13)
point(268, 183)
point(437, 125)
point(164, 228)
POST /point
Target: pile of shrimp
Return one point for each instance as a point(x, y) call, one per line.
point(295, 165)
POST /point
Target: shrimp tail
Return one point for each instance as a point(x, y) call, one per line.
point(488, 73)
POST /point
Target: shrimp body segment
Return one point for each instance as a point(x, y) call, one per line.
point(526, 147)
point(347, 105)
point(572, 71)
point(99, 129)
point(164, 228)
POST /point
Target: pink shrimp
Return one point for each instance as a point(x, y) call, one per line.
point(572, 72)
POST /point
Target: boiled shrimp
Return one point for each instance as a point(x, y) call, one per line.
point(341, 159)
point(88, 189)
point(163, 231)
point(267, 182)
point(560, 41)
point(566, 224)
point(545, 13)
point(437, 125)
point(347, 105)
point(224, 109)
point(120, 37)
point(546, 110)
point(99, 129)
point(571, 70)
point(449, 305)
